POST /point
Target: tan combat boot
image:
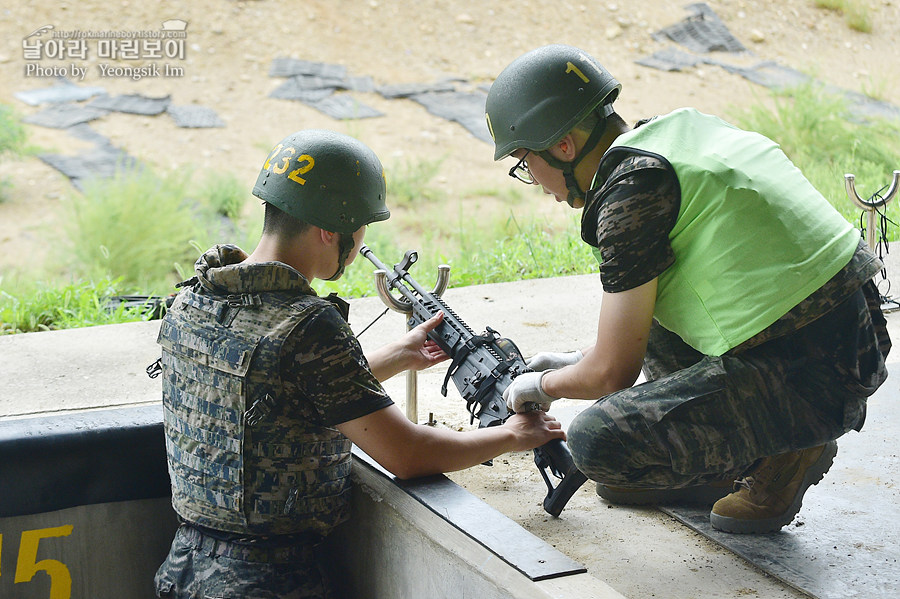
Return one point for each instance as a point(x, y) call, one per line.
point(770, 495)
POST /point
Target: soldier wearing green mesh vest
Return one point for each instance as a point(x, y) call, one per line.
point(743, 295)
point(265, 387)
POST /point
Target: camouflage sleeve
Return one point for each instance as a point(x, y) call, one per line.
point(629, 219)
point(324, 364)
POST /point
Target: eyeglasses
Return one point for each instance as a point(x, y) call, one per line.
point(521, 171)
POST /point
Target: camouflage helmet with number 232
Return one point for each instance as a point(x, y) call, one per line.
point(326, 179)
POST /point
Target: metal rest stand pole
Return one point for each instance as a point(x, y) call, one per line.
point(404, 307)
point(870, 205)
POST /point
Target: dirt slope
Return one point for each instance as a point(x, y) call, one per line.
point(230, 46)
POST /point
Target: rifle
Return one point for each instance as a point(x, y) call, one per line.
point(481, 367)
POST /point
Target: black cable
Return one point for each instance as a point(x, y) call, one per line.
point(371, 323)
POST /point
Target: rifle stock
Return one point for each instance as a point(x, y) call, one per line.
point(555, 456)
point(481, 367)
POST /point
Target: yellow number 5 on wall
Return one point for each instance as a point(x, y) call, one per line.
point(27, 565)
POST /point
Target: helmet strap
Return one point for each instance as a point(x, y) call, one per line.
point(568, 168)
point(345, 246)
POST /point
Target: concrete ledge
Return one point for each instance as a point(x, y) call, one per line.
point(407, 540)
point(78, 369)
point(67, 460)
point(482, 523)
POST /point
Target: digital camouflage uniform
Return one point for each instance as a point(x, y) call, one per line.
point(799, 383)
point(257, 370)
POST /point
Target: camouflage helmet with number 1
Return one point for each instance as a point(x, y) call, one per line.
point(540, 96)
point(326, 179)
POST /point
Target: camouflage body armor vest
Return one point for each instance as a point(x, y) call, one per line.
point(243, 458)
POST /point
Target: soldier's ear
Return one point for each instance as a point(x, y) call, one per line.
point(564, 149)
point(567, 146)
point(327, 237)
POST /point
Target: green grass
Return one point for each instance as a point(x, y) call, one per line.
point(526, 251)
point(43, 307)
point(12, 141)
point(226, 195)
point(409, 183)
point(134, 227)
point(140, 233)
point(146, 230)
point(855, 11)
point(529, 251)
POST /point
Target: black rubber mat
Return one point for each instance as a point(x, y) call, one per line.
point(465, 108)
point(670, 59)
point(195, 117)
point(63, 116)
point(702, 32)
point(63, 91)
point(132, 104)
point(344, 107)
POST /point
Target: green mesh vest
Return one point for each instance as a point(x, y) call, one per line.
point(238, 460)
point(753, 237)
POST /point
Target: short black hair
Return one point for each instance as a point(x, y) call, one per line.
point(281, 224)
point(588, 123)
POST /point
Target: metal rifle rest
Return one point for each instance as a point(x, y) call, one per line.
point(403, 306)
point(872, 204)
point(871, 207)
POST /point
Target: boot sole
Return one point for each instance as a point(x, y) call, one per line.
point(699, 495)
point(813, 475)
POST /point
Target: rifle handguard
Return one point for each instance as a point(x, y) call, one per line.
point(482, 366)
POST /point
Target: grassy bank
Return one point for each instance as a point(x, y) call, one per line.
point(139, 233)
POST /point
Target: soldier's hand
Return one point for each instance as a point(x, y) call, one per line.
point(547, 360)
point(525, 393)
point(534, 429)
point(420, 351)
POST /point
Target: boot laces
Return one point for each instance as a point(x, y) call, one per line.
point(744, 483)
point(767, 474)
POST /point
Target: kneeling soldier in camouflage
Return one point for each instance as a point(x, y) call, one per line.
point(742, 293)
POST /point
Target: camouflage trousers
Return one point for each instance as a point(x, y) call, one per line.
point(201, 567)
point(701, 418)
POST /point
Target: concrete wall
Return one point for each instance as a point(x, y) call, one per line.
point(85, 512)
point(98, 551)
point(85, 509)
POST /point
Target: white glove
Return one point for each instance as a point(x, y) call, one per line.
point(526, 394)
point(547, 360)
